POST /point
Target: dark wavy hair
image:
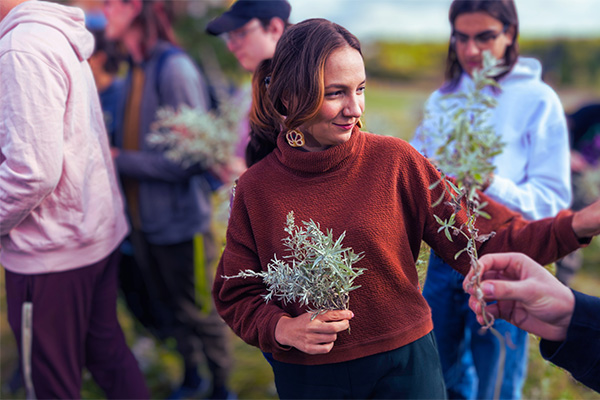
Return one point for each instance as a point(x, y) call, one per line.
point(288, 90)
point(504, 11)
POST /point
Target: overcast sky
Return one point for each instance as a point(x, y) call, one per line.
point(428, 19)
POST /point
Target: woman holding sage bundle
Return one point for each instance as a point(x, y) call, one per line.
point(307, 155)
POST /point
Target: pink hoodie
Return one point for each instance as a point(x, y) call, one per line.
point(60, 205)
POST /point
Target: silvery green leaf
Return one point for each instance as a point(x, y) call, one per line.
point(434, 185)
point(438, 201)
point(459, 253)
point(321, 271)
point(484, 214)
point(447, 233)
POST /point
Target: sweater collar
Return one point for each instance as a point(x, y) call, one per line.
point(328, 160)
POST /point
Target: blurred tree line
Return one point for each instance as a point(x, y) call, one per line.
point(566, 62)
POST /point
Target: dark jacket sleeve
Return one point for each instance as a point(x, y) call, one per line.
point(580, 352)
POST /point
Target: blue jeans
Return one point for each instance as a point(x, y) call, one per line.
point(470, 359)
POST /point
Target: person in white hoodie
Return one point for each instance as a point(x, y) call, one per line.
point(61, 214)
point(532, 177)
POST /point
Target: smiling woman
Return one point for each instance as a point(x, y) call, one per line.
point(376, 189)
point(319, 100)
point(344, 101)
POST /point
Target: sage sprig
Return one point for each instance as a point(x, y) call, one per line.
point(318, 272)
point(466, 145)
point(191, 136)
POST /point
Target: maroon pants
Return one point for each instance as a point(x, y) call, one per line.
point(74, 325)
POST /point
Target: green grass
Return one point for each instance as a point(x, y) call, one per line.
point(394, 109)
point(391, 110)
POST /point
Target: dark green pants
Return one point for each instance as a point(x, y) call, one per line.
point(409, 372)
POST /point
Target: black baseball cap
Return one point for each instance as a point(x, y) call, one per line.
point(243, 11)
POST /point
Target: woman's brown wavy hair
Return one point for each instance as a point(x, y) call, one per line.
point(288, 90)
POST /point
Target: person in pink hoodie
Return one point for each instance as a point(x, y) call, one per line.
point(61, 213)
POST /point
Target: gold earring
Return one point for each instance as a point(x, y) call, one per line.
point(295, 138)
point(359, 123)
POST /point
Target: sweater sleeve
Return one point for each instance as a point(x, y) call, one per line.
point(147, 165)
point(580, 352)
point(544, 240)
point(240, 301)
point(180, 84)
point(31, 134)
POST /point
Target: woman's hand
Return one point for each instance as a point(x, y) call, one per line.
point(586, 222)
point(312, 336)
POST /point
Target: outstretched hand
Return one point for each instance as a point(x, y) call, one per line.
point(314, 336)
point(586, 222)
point(526, 295)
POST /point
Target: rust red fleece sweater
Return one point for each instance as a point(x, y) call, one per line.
point(375, 188)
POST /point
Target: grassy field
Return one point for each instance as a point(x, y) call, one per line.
point(391, 110)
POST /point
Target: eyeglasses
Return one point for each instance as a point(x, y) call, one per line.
point(238, 35)
point(481, 39)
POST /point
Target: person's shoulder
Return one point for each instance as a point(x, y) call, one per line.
point(524, 88)
point(33, 45)
point(526, 75)
point(397, 159)
point(387, 144)
point(258, 172)
point(34, 38)
point(392, 151)
point(175, 59)
point(178, 69)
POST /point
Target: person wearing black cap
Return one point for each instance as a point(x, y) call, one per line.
point(251, 29)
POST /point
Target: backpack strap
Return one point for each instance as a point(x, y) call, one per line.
point(160, 63)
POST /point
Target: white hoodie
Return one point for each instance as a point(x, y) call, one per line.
point(533, 175)
point(60, 206)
